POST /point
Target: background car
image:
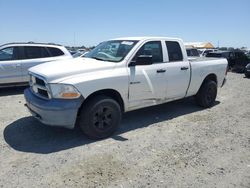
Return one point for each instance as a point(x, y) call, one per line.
point(237, 60)
point(17, 58)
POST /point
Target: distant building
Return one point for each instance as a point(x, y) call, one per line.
point(198, 45)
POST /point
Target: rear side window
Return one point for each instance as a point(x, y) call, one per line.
point(55, 51)
point(174, 51)
point(8, 54)
point(35, 52)
point(153, 48)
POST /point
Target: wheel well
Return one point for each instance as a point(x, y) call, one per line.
point(106, 92)
point(212, 77)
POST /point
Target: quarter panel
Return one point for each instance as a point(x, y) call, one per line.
point(201, 69)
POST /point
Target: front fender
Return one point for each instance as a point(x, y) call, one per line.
point(116, 79)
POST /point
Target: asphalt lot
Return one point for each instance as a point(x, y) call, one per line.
point(172, 145)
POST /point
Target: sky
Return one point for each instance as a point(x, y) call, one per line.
point(79, 22)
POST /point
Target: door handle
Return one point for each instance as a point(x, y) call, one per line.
point(184, 68)
point(161, 71)
point(18, 65)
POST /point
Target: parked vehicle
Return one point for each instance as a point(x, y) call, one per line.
point(205, 51)
point(17, 58)
point(237, 60)
point(93, 92)
point(247, 71)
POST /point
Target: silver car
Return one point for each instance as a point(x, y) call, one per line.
point(17, 58)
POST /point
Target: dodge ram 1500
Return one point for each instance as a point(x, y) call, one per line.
point(118, 76)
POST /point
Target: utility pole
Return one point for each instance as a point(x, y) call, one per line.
point(74, 39)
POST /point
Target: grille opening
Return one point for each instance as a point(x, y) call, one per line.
point(43, 93)
point(40, 82)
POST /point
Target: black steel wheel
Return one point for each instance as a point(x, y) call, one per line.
point(100, 117)
point(207, 94)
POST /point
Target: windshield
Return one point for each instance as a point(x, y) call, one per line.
point(114, 51)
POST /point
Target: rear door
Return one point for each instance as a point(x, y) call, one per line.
point(177, 71)
point(10, 66)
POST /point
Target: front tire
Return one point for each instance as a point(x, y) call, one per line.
point(207, 94)
point(100, 117)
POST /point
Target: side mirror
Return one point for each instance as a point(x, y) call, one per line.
point(142, 60)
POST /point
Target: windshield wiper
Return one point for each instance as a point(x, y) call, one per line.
point(97, 58)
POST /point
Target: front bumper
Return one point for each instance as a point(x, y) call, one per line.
point(54, 112)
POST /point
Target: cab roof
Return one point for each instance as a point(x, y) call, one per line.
point(30, 44)
point(147, 38)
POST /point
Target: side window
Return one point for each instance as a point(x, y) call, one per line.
point(45, 52)
point(174, 51)
point(55, 51)
point(34, 52)
point(153, 48)
point(8, 54)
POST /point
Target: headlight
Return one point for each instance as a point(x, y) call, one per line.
point(64, 91)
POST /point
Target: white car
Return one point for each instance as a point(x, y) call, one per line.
point(17, 58)
point(93, 92)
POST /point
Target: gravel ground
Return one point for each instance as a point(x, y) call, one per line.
point(172, 145)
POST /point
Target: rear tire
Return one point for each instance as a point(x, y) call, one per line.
point(100, 117)
point(207, 94)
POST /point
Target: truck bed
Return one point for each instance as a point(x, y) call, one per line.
point(195, 59)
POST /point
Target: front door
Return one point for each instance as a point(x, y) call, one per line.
point(147, 83)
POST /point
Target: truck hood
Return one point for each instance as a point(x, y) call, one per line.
point(66, 68)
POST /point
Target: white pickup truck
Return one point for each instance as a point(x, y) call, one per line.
point(118, 76)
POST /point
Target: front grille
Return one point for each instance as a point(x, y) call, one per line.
point(40, 82)
point(38, 86)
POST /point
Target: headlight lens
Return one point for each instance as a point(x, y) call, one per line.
point(64, 91)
